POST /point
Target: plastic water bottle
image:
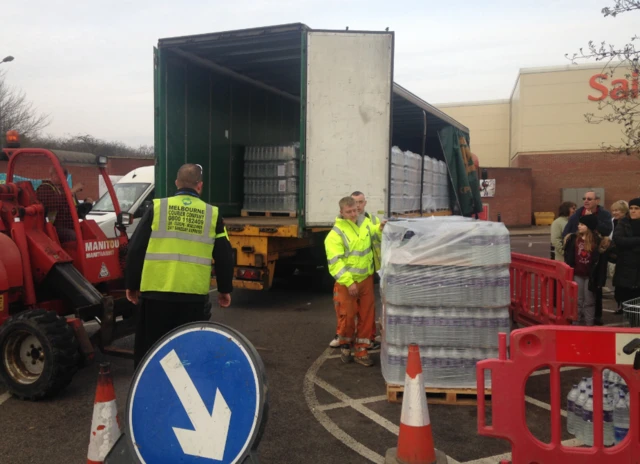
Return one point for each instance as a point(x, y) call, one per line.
point(587, 419)
point(571, 417)
point(607, 413)
point(578, 409)
point(620, 419)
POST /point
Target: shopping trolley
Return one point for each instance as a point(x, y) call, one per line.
point(631, 311)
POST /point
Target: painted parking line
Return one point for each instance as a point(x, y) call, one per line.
point(318, 410)
point(4, 397)
point(314, 405)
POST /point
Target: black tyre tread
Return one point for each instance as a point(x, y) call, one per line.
point(65, 354)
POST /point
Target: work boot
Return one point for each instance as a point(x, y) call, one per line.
point(374, 345)
point(335, 343)
point(364, 360)
point(345, 354)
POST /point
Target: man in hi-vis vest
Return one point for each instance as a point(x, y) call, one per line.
point(168, 266)
point(350, 258)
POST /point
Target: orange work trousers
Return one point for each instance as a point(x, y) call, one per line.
point(348, 307)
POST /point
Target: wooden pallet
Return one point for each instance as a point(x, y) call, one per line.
point(456, 396)
point(247, 213)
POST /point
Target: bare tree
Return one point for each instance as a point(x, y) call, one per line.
point(624, 106)
point(16, 112)
point(89, 143)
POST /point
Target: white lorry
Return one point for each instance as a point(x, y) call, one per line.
point(133, 190)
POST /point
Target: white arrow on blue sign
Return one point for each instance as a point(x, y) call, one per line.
point(198, 397)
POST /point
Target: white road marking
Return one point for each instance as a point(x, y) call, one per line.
point(4, 397)
point(542, 405)
point(325, 421)
point(378, 419)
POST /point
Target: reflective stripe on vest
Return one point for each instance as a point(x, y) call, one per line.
point(180, 249)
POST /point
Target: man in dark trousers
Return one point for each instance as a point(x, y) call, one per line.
point(169, 262)
point(605, 227)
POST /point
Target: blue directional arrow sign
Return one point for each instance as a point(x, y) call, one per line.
point(199, 396)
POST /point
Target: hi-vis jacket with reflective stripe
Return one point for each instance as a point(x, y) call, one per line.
point(372, 224)
point(178, 257)
point(349, 252)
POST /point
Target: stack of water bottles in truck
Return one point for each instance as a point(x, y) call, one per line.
point(271, 178)
point(615, 409)
point(414, 178)
point(445, 286)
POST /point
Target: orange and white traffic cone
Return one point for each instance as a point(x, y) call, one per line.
point(415, 440)
point(105, 425)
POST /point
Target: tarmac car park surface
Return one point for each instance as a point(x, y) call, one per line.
point(320, 410)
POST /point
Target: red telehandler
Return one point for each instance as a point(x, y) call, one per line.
point(57, 271)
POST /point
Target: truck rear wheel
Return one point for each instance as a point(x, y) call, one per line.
point(38, 354)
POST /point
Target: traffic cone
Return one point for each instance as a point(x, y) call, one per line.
point(105, 424)
point(415, 440)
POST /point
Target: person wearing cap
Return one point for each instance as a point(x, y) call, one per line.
point(626, 238)
point(591, 205)
point(168, 268)
point(587, 253)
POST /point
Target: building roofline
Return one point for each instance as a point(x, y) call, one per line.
point(501, 101)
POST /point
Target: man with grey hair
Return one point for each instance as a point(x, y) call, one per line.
point(168, 269)
point(591, 205)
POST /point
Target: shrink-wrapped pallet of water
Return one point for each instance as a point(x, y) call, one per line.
point(445, 286)
point(271, 176)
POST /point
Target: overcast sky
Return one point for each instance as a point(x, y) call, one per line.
point(89, 63)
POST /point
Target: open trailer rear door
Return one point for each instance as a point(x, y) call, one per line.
point(348, 89)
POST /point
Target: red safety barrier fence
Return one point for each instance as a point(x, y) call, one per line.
point(554, 347)
point(542, 291)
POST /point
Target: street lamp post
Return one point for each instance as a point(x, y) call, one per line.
point(6, 59)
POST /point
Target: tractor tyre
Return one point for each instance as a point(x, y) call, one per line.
point(38, 354)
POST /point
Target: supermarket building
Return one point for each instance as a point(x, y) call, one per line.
point(538, 146)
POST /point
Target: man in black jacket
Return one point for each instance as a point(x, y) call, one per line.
point(163, 269)
point(605, 227)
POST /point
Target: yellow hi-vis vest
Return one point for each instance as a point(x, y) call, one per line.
point(372, 224)
point(349, 252)
point(180, 249)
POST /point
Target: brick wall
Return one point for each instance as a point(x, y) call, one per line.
point(513, 196)
point(89, 175)
point(121, 166)
point(619, 175)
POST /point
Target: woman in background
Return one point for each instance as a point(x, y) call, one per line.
point(619, 210)
point(626, 238)
point(565, 211)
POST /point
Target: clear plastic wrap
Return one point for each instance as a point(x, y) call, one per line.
point(271, 177)
point(445, 286)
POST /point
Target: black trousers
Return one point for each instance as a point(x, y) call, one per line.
point(598, 298)
point(156, 318)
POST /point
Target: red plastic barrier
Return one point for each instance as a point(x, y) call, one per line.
point(542, 291)
point(554, 347)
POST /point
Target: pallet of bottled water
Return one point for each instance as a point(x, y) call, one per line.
point(445, 285)
point(615, 409)
point(271, 178)
point(406, 181)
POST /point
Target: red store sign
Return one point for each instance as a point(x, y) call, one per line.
point(620, 88)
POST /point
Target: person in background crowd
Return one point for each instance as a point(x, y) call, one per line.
point(605, 226)
point(587, 253)
point(564, 212)
point(619, 209)
point(626, 238)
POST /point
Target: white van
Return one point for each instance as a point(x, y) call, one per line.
point(132, 191)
